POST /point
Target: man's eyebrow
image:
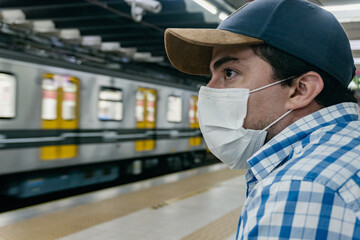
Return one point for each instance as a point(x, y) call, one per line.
point(223, 60)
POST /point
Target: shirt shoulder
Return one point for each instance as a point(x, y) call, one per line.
point(329, 156)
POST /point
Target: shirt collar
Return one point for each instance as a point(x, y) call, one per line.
point(277, 150)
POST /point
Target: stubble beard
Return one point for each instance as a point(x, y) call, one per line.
point(263, 123)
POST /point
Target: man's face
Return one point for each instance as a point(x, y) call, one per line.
point(239, 67)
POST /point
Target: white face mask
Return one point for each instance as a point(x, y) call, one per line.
point(221, 117)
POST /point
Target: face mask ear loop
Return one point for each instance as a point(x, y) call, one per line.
point(272, 124)
point(271, 84)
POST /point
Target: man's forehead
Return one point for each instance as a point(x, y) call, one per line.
point(238, 54)
point(241, 52)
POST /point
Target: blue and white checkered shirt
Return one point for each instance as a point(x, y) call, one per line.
point(305, 182)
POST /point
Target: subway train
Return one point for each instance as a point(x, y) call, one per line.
point(64, 126)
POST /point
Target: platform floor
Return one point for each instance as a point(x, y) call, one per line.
point(202, 203)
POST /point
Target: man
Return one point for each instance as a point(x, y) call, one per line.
point(278, 102)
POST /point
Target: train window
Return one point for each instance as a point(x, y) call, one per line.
point(7, 95)
point(110, 105)
point(174, 110)
point(145, 108)
point(49, 101)
point(69, 100)
point(150, 107)
point(193, 110)
point(139, 109)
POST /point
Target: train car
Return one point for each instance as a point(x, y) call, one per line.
point(64, 126)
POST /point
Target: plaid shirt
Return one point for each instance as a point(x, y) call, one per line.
point(305, 182)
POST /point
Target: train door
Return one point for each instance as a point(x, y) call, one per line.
point(194, 121)
point(145, 114)
point(59, 112)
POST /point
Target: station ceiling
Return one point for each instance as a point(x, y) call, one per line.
point(141, 41)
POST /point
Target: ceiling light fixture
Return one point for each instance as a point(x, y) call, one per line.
point(139, 7)
point(208, 6)
point(223, 16)
point(355, 44)
point(346, 13)
point(357, 61)
point(345, 7)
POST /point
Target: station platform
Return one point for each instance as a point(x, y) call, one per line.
point(203, 203)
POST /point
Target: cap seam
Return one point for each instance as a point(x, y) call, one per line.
point(277, 6)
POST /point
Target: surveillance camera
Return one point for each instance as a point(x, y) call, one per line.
point(137, 13)
point(149, 5)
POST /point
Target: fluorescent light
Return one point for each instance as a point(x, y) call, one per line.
point(349, 20)
point(345, 13)
point(345, 7)
point(223, 16)
point(355, 44)
point(208, 6)
point(357, 61)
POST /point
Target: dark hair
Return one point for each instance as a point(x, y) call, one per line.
point(285, 66)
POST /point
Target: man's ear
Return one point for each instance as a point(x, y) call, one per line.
point(304, 90)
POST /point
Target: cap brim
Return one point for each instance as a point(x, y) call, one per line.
point(190, 50)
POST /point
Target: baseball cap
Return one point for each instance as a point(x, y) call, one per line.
point(297, 27)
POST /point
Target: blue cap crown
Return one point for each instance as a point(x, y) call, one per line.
point(299, 28)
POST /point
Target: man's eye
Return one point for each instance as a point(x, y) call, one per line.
point(229, 73)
